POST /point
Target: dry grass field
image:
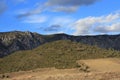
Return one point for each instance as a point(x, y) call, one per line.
point(103, 65)
point(100, 69)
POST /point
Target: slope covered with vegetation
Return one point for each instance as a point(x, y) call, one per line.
point(58, 54)
point(16, 40)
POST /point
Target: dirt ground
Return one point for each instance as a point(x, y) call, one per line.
point(103, 65)
point(100, 69)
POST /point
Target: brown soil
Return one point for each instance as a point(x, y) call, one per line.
point(100, 69)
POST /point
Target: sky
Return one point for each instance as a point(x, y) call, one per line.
point(74, 17)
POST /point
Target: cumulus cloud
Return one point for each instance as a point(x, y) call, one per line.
point(101, 24)
point(3, 6)
point(115, 27)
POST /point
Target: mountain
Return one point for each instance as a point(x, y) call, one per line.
point(60, 54)
point(17, 40)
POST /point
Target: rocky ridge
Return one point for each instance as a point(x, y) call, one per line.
point(17, 40)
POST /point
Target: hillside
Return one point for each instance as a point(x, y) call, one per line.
point(59, 54)
point(17, 40)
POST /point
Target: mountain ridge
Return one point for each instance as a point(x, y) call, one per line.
point(18, 40)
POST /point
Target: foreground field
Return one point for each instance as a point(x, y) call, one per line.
point(103, 65)
point(58, 75)
point(100, 69)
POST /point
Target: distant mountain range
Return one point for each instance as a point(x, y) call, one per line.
point(17, 40)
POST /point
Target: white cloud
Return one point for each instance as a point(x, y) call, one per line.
point(65, 9)
point(62, 20)
point(26, 13)
point(59, 24)
point(101, 24)
point(115, 27)
point(70, 2)
point(35, 19)
point(67, 6)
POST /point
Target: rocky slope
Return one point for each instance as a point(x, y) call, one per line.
point(13, 41)
point(16, 40)
point(103, 41)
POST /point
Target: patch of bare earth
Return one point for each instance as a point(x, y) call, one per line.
point(103, 65)
point(100, 69)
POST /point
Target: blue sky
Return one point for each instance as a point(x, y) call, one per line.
point(75, 17)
